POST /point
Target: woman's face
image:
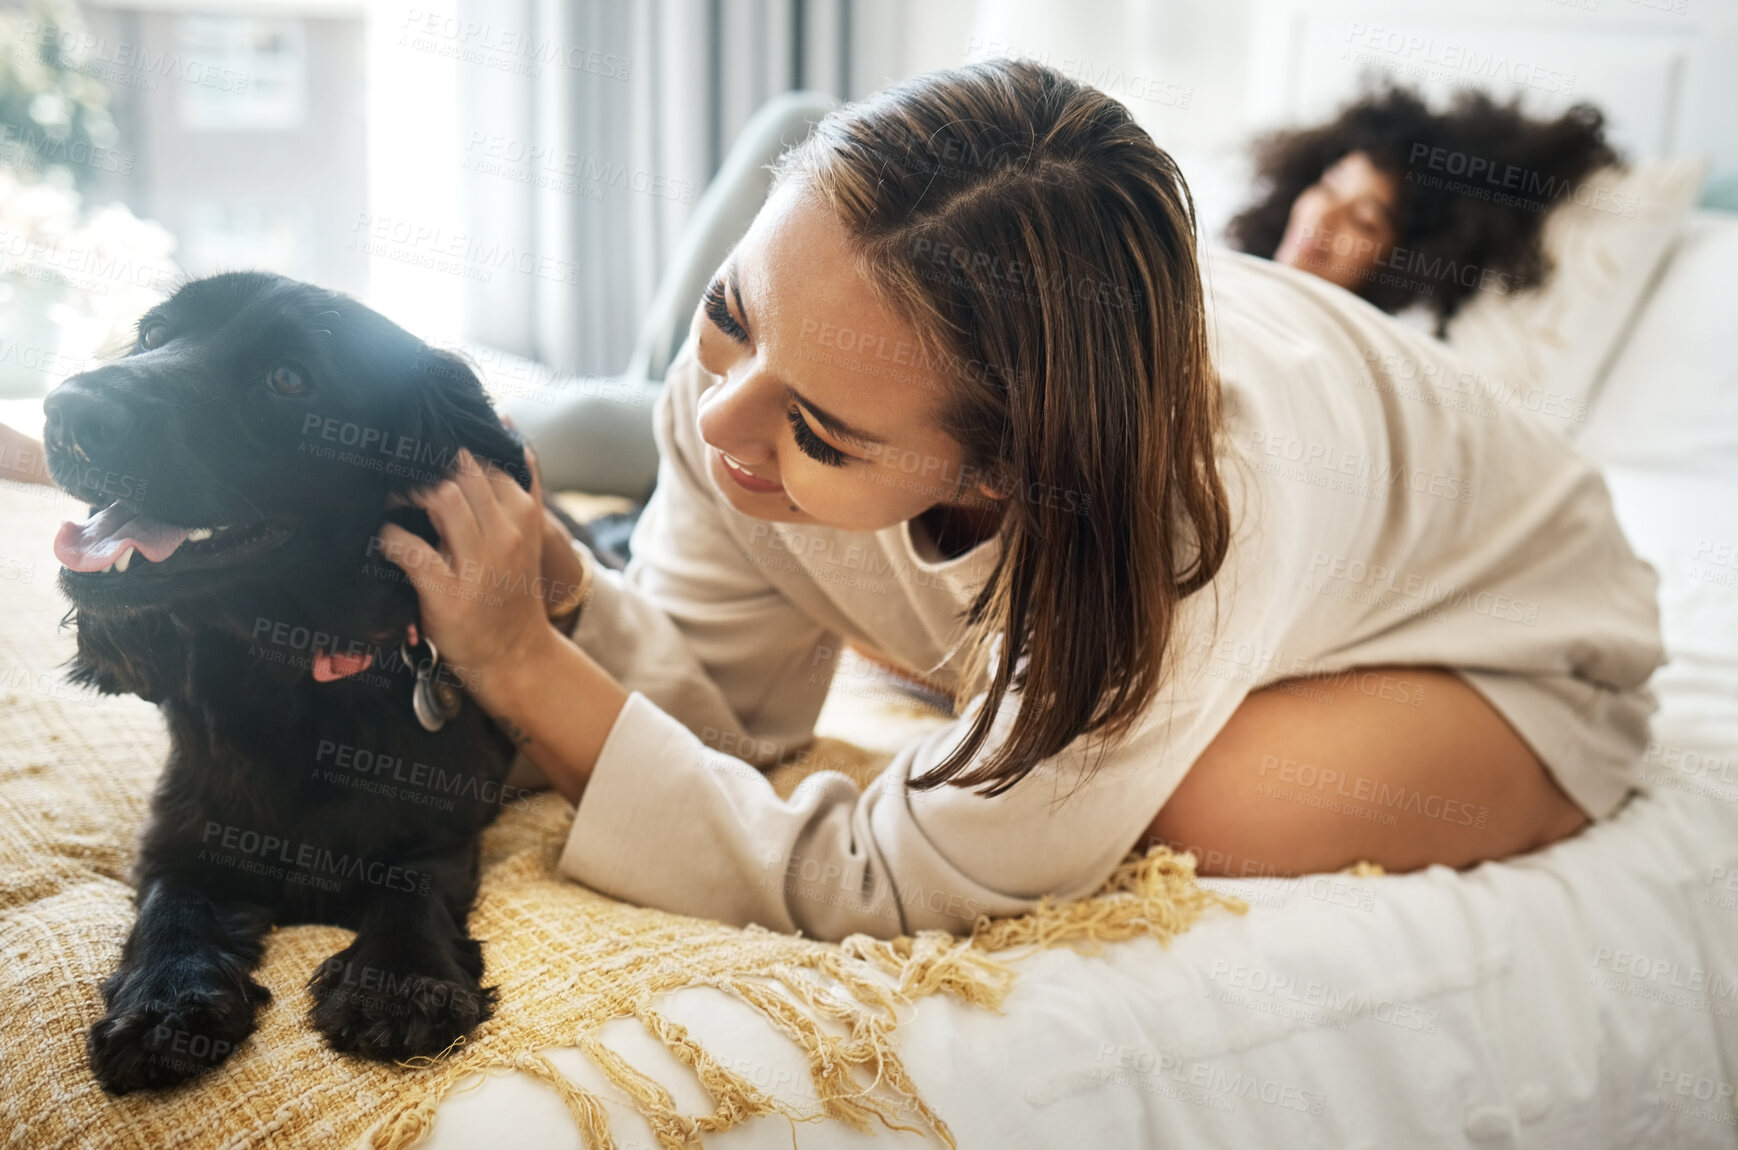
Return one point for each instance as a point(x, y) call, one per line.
point(1342, 224)
point(819, 393)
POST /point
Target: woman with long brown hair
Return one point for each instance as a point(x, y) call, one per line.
point(1200, 568)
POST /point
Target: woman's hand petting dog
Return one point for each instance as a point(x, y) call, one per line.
point(483, 594)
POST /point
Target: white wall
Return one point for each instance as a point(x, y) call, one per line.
point(1204, 75)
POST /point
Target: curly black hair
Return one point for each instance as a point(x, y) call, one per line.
point(1473, 186)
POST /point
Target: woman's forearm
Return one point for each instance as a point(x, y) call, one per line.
point(559, 707)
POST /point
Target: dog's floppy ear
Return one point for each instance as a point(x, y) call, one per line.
point(454, 412)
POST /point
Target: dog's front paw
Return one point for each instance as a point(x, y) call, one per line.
point(150, 1042)
point(392, 1014)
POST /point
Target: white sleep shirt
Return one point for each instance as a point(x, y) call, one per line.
point(1390, 512)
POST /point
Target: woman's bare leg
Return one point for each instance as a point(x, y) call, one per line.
point(1403, 766)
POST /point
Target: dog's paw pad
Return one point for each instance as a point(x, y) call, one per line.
point(379, 1014)
point(170, 1039)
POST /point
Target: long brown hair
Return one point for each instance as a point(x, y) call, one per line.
point(1043, 248)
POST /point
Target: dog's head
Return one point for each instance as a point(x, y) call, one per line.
point(250, 440)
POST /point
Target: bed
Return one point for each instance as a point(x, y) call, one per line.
point(1585, 996)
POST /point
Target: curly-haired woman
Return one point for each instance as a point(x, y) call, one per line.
point(1403, 205)
point(966, 393)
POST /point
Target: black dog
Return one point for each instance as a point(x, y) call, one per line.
point(238, 461)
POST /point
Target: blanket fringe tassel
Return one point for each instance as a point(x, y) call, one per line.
point(1154, 896)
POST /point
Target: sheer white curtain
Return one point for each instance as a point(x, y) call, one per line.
point(617, 134)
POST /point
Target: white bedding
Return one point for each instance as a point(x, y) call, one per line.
point(1586, 996)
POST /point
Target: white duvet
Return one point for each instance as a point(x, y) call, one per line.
point(1585, 996)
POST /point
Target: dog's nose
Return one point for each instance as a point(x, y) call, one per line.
point(93, 422)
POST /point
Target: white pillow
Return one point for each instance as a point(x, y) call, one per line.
point(1547, 350)
point(1670, 399)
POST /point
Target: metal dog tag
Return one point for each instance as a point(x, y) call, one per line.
point(423, 702)
point(434, 703)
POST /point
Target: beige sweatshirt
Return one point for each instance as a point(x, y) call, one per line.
point(1390, 511)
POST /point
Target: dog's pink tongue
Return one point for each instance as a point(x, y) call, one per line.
point(99, 540)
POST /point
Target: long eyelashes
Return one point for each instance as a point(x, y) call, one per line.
point(808, 442)
point(719, 313)
point(811, 444)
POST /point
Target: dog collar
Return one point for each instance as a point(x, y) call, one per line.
point(329, 668)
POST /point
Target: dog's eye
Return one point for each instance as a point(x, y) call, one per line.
point(286, 381)
point(154, 335)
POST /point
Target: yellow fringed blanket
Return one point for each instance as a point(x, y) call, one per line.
point(75, 777)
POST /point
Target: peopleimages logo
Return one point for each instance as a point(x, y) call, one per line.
point(307, 864)
point(88, 268)
point(477, 42)
point(410, 779)
point(502, 155)
point(1267, 991)
point(1213, 1085)
point(96, 56)
point(440, 249)
point(22, 147)
point(1451, 61)
point(1484, 176)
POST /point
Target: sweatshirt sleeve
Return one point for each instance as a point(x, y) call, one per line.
point(671, 822)
point(668, 822)
point(696, 628)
